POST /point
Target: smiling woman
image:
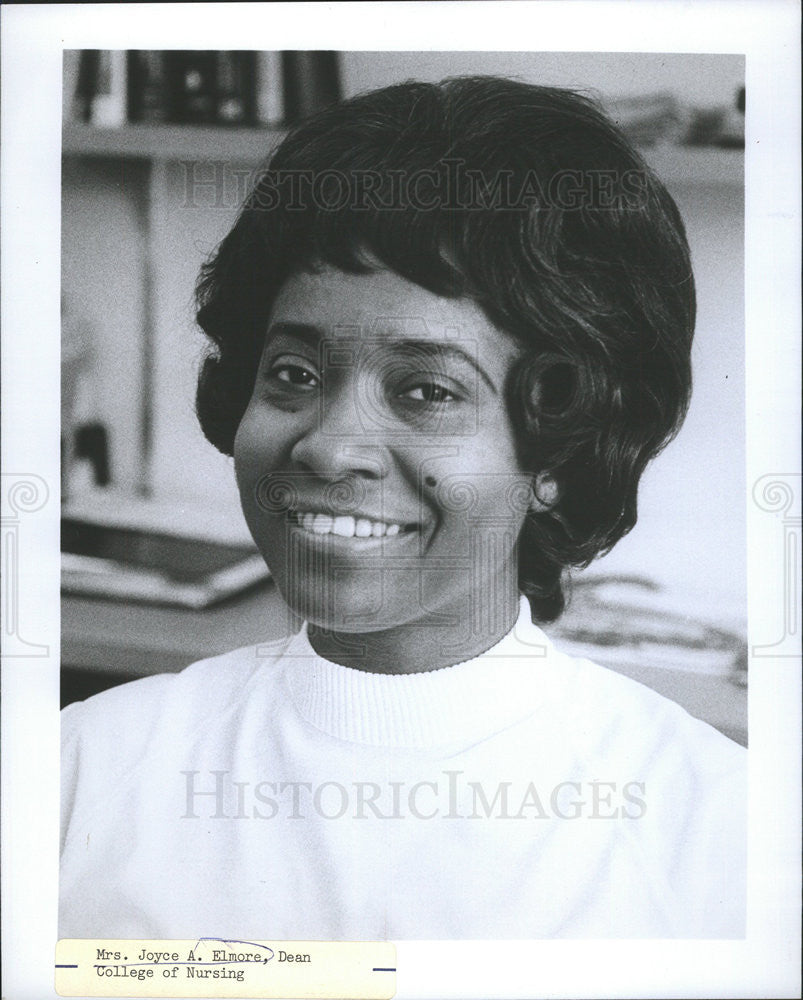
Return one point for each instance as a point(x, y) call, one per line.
point(443, 353)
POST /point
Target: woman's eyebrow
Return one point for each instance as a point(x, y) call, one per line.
point(439, 349)
point(301, 331)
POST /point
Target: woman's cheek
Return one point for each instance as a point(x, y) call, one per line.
point(249, 458)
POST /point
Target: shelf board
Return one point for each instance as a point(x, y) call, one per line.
point(171, 142)
point(674, 164)
point(696, 164)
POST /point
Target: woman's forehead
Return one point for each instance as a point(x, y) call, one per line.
point(381, 304)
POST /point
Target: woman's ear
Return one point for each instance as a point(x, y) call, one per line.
point(546, 493)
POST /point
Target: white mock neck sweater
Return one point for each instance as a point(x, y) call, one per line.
point(271, 794)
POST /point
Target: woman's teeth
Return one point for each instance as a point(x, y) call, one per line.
point(345, 526)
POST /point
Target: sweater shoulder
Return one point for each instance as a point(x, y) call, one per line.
point(613, 715)
point(129, 713)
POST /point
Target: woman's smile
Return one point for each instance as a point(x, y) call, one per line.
point(346, 526)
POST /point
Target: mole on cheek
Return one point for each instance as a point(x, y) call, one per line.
point(431, 481)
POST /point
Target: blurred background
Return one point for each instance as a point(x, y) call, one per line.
point(159, 148)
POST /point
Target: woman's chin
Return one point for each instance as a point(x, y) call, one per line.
point(348, 610)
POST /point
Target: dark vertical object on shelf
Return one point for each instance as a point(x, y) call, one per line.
point(148, 97)
point(70, 68)
point(86, 86)
point(311, 82)
point(92, 443)
point(192, 85)
point(236, 86)
point(269, 88)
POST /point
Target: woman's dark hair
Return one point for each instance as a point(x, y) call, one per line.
point(527, 200)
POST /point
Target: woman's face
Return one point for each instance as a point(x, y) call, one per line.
point(376, 459)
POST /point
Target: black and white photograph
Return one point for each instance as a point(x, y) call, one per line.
point(448, 330)
point(405, 489)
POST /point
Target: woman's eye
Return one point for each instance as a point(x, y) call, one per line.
point(296, 375)
point(429, 392)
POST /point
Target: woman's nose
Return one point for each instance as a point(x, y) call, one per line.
point(342, 440)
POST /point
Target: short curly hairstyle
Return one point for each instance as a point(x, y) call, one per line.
point(529, 201)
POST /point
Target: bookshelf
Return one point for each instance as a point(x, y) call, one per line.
point(171, 142)
point(134, 238)
point(674, 164)
point(704, 165)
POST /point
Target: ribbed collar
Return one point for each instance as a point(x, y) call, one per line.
point(437, 708)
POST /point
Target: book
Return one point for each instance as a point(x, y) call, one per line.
point(192, 87)
point(148, 96)
point(86, 83)
point(269, 88)
point(235, 92)
point(311, 82)
point(107, 107)
point(71, 67)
